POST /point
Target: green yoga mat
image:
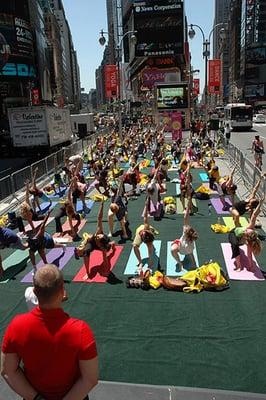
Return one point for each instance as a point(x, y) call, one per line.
point(229, 222)
point(13, 264)
point(179, 207)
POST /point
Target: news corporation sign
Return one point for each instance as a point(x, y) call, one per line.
point(156, 7)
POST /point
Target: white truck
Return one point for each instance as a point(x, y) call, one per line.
point(39, 127)
point(82, 124)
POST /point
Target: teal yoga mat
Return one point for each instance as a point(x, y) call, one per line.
point(171, 262)
point(13, 264)
point(131, 267)
point(204, 177)
point(178, 191)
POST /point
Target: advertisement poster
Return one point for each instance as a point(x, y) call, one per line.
point(196, 87)
point(16, 43)
point(172, 121)
point(111, 84)
point(214, 76)
point(151, 76)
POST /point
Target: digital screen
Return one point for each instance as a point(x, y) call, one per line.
point(173, 97)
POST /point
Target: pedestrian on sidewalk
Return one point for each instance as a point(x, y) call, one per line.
point(227, 132)
point(258, 150)
point(58, 352)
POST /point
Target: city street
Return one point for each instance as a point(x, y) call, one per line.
point(243, 140)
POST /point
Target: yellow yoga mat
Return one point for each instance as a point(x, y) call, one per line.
point(179, 207)
point(230, 222)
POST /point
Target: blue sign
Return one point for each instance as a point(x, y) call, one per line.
point(19, 70)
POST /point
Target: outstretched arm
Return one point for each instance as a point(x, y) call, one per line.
point(230, 180)
point(255, 215)
point(34, 185)
point(188, 208)
point(100, 219)
point(41, 229)
point(145, 216)
point(255, 189)
point(27, 198)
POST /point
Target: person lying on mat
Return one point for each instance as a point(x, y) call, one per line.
point(68, 210)
point(248, 236)
point(27, 213)
point(9, 239)
point(97, 241)
point(118, 207)
point(226, 187)
point(40, 241)
point(144, 234)
point(186, 244)
point(37, 193)
point(241, 207)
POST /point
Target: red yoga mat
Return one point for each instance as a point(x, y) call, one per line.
point(66, 230)
point(98, 273)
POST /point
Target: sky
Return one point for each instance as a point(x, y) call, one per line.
point(87, 17)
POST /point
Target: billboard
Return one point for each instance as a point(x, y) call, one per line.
point(172, 122)
point(151, 76)
point(111, 84)
point(172, 97)
point(214, 76)
point(160, 28)
point(16, 41)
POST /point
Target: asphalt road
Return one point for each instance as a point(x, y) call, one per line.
point(243, 141)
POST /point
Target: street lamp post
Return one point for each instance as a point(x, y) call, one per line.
point(206, 54)
point(133, 40)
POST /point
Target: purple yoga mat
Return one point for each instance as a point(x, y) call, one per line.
point(217, 205)
point(243, 275)
point(55, 256)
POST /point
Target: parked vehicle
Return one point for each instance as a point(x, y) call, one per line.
point(238, 116)
point(42, 128)
point(259, 118)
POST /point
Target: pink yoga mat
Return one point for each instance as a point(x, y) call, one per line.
point(217, 205)
point(36, 224)
point(66, 230)
point(55, 256)
point(243, 275)
point(98, 273)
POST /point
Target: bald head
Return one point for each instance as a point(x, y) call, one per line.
point(48, 283)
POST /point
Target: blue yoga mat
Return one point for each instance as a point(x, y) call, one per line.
point(178, 191)
point(89, 204)
point(54, 196)
point(131, 267)
point(45, 206)
point(204, 177)
point(171, 262)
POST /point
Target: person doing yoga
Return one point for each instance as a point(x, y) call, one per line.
point(240, 236)
point(241, 207)
point(40, 241)
point(97, 241)
point(186, 244)
point(144, 234)
point(226, 187)
point(37, 193)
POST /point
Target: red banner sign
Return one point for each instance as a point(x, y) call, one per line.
point(214, 76)
point(35, 97)
point(196, 87)
point(111, 84)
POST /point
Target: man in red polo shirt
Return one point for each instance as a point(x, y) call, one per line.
point(58, 352)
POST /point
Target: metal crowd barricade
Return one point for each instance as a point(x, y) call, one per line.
point(6, 187)
point(19, 178)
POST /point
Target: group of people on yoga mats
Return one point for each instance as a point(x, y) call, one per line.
point(113, 168)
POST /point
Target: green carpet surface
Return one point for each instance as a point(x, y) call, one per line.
point(209, 340)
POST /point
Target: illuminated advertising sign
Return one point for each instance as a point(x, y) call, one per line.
point(172, 97)
point(160, 28)
point(151, 76)
point(16, 41)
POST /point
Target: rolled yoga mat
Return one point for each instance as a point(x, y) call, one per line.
point(131, 267)
point(65, 237)
point(55, 256)
point(218, 206)
point(229, 222)
point(243, 275)
point(13, 264)
point(98, 273)
point(171, 262)
point(204, 176)
point(36, 224)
